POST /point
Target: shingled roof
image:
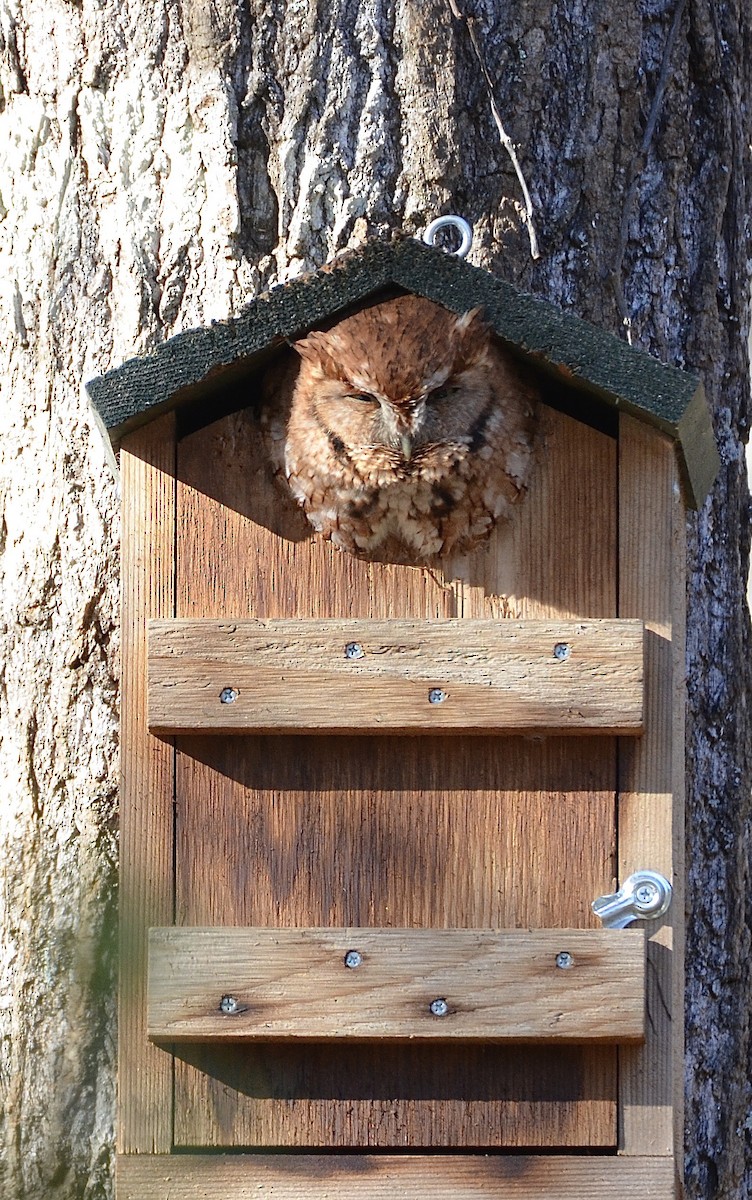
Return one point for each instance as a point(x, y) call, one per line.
point(196, 371)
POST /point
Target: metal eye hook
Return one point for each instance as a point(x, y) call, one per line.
point(464, 229)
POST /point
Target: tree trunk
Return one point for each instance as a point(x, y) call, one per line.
point(161, 163)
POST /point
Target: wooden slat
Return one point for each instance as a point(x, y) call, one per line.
point(290, 676)
point(147, 464)
point(295, 985)
point(432, 832)
point(390, 1177)
point(651, 797)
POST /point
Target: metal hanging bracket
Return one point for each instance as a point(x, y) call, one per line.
point(644, 896)
point(462, 227)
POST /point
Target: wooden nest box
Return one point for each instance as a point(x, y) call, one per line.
point(368, 804)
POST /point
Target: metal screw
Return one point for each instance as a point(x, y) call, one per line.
point(562, 651)
point(228, 695)
point(436, 696)
point(646, 893)
point(353, 959)
point(439, 1007)
point(564, 960)
point(354, 650)
point(229, 1005)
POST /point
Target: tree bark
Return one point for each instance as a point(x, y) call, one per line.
point(160, 163)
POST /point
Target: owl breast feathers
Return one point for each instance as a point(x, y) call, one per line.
point(404, 431)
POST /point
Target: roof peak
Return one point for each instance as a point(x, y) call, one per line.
point(192, 369)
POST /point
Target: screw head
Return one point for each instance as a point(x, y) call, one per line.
point(229, 1005)
point(436, 696)
point(564, 960)
point(353, 959)
point(228, 695)
point(646, 893)
point(354, 650)
point(561, 651)
point(439, 1007)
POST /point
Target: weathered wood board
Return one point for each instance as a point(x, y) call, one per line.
point(391, 1177)
point(395, 676)
point(651, 777)
point(147, 792)
point(385, 985)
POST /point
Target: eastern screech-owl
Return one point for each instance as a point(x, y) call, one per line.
point(407, 433)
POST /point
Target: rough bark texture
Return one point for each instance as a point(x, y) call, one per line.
point(161, 161)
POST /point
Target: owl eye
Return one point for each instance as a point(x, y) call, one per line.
point(362, 397)
point(442, 393)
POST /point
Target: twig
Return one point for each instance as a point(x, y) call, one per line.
point(639, 165)
point(506, 141)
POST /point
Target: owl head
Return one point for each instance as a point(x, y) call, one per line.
point(398, 378)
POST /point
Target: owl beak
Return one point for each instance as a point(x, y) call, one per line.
point(407, 446)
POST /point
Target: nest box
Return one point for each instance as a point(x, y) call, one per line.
point(398, 839)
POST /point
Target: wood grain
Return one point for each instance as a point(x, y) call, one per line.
point(395, 676)
point(389, 1177)
point(147, 464)
point(651, 798)
point(427, 832)
point(300, 985)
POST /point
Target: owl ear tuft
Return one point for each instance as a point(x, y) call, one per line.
point(472, 339)
point(312, 347)
point(316, 349)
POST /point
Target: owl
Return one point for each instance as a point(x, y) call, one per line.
point(403, 431)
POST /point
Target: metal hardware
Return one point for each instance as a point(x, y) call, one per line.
point(562, 651)
point(229, 1006)
point(354, 650)
point(564, 960)
point(353, 959)
point(228, 695)
point(464, 229)
point(436, 696)
point(439, 1007)
point(645, 896)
